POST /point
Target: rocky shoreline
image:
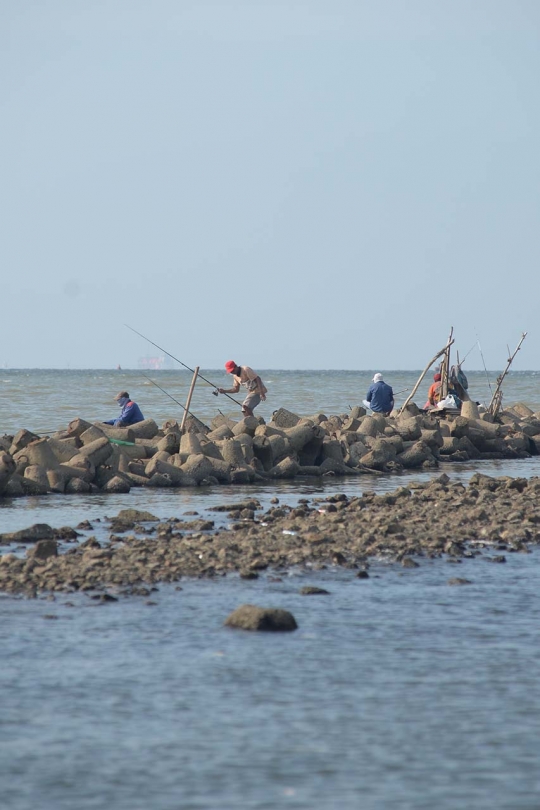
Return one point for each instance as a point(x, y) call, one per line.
point(488, 518)
point(86, 458)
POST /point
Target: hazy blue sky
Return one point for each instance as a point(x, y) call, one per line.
point(287, 184)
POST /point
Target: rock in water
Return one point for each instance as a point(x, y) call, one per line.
point(43, 550)
point(252, 617)
point(135, 515)
point(39, 531)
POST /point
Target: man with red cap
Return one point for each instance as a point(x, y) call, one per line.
point(244, 375)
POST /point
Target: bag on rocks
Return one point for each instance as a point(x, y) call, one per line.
point(458, 377)
point(451, 401)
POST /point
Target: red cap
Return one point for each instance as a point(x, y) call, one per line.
point(230, 366)
point(437, 377)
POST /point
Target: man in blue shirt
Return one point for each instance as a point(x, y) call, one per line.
point(131, 413)
point(380, 396)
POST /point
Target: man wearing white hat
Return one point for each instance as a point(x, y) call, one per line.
point(380, 397)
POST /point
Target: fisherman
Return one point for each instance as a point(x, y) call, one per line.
point(244, 375)
point(453, 398)
point(131, 413)
point(380, 397)
point(434, 393)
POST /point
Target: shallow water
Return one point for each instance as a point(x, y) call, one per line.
point(396, 692)
point(68, 510)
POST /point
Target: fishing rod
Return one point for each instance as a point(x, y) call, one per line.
point(484, 363)
point(215, 387)
point(48, 432)
point(169, 395)
point(468, 353)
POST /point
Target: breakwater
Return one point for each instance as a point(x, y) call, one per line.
point(96, 457)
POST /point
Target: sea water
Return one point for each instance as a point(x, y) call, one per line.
point(399, 691)
point(46, 400)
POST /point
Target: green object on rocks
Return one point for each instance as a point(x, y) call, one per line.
point(120, 441)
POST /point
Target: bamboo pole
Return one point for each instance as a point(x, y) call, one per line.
point(422, 375)
point(496, 400)
point(445, 366)
point(190, 394)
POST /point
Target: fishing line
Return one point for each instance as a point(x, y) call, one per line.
point(483, 362)
point(169, 395)
point(468, 353)
point(182, 364)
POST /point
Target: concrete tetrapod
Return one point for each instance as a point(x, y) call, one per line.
point(86, 457)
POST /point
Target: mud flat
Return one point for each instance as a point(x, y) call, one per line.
point(488, 518)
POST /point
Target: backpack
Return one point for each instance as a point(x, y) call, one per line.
point(457, 376)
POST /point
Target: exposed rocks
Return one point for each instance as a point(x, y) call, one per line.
point(138, 515)
point(439, 519)
point(252, 617)
point(237, 507)
point(408, 562)
point(312, 590)
point(39, 531)
point(65, 533)
point(43, 550)
point(7, 468)
point(249, 575)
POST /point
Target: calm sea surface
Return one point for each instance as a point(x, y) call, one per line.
point(398, 692)
point(42, 400)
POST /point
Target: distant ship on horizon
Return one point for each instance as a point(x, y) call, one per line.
point(151, 363)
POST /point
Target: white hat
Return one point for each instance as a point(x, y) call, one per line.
point(378, 378)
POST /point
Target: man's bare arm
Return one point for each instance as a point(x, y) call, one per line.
point(234, 390)
point(260, 388)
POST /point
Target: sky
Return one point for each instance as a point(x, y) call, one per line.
point(290, 184)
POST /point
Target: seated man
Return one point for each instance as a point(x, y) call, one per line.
point(380, 397)
point(131, 413)
point(434, 393)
